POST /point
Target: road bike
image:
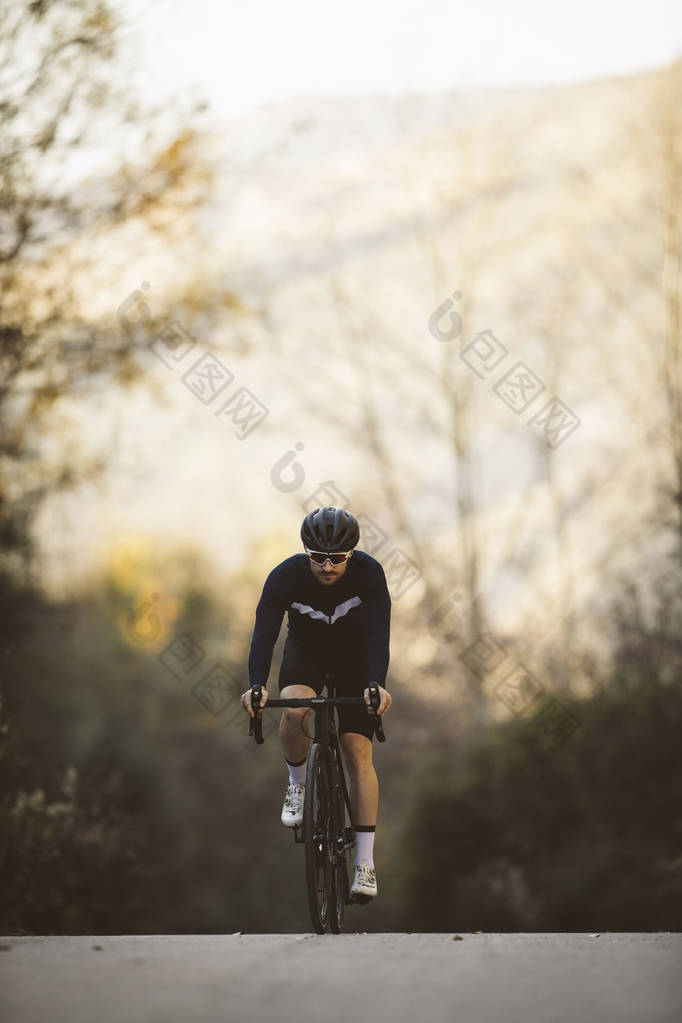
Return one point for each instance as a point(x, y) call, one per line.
point(327, 838)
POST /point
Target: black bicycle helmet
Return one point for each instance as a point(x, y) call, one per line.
point(330, 529)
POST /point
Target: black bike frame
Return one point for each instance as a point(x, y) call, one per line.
point(326, 735)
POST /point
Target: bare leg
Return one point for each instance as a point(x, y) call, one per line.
point(363, 782)
point(295, 743)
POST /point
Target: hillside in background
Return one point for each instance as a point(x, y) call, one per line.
point(335, 230)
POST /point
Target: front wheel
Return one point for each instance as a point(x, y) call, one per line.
point(341, 885)
point(317, 832)
point(340, 895)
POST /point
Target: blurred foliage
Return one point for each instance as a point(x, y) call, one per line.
point(518, 835)
point(128, 805)
point(67, 109)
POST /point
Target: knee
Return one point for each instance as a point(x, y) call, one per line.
point(296, 718)
point(357, 753)
point(293, 716)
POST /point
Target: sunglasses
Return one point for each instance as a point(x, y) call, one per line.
point(321, 557)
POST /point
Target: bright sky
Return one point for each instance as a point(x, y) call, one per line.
point(243, 53)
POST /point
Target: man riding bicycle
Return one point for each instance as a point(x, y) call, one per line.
point(339, 613)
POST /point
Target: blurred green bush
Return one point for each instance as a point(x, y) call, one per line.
point(129, 806)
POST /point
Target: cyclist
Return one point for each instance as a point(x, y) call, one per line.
point(339, 613)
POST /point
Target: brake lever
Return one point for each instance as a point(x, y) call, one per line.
point(375, 701)
point(256, 722)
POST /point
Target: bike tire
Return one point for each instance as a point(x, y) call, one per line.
point(339, 896)
point(318, 821)
point(341, 886)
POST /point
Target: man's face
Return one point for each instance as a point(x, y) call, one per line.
point(328, 574)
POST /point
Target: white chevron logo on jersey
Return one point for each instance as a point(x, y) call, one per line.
point(339, 611)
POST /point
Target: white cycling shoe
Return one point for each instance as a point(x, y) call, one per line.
point(364, 880)
point(292, 811)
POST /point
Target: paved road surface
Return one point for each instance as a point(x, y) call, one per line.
point(420, 978)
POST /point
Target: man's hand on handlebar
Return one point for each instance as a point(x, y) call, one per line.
point(385, 700)
point(246, 702)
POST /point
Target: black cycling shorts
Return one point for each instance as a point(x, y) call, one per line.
point(303, 666)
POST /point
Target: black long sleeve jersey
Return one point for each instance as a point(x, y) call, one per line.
point(353, 614)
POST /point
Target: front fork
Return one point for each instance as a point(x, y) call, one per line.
point(344, 836)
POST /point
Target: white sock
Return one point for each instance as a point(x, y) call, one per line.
point(364, 847)
point(296, 774)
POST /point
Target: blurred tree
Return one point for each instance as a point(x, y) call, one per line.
point(634, 255)
point(63, 115)
point(527, 832)
point(467, 188)
point(126, 804)
point(669, 130)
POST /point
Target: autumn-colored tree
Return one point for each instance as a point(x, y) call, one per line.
point(80, 158)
